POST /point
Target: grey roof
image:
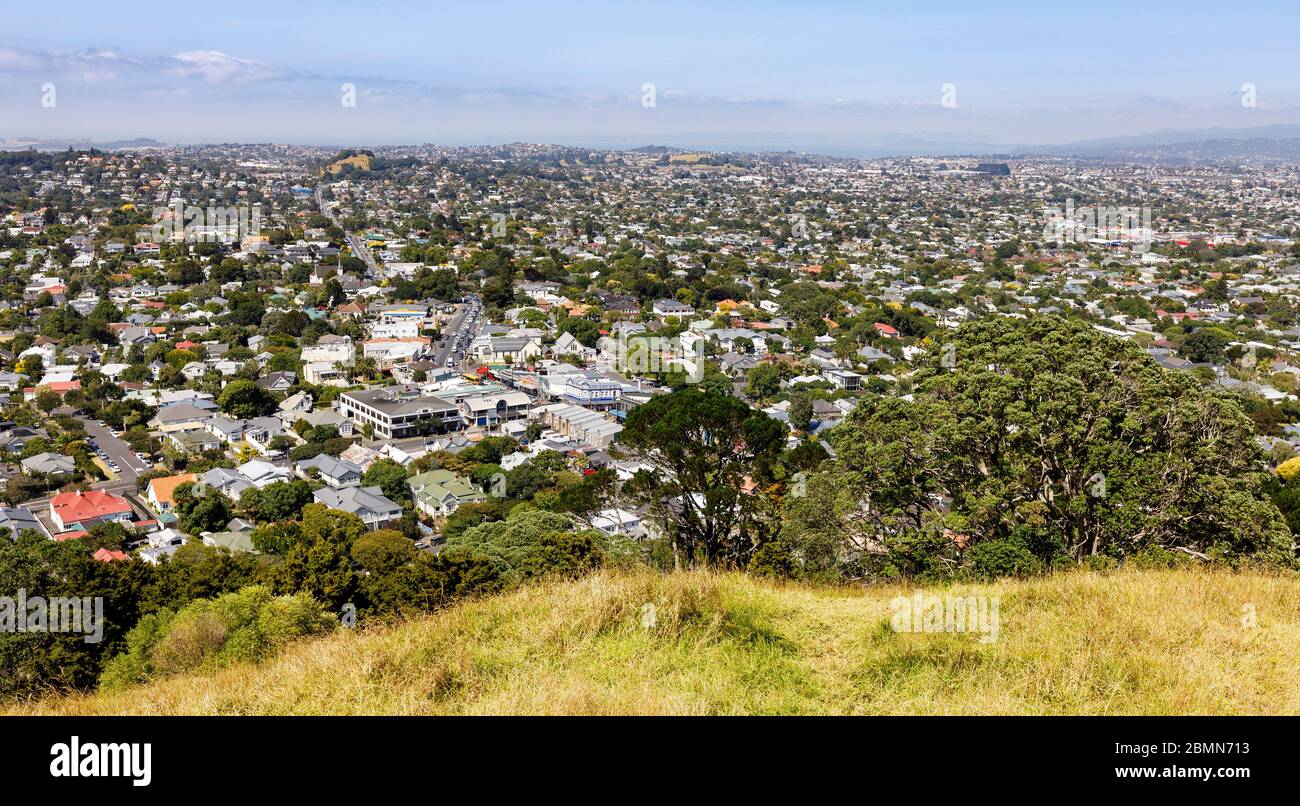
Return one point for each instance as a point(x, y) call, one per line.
point(358, 500)
point(49, 463)
point(16, 519)
point(509, 344)
point(399, 401)
point(227, 481)
point(329, 466)
point(182, 412)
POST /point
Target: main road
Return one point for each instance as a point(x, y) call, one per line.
point(361, 250)
point(449, 335)
point(357, 245)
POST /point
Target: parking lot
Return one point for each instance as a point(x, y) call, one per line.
point(116, 453)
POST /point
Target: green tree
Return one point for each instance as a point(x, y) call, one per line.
point(320, 523)
point(242, 399)
point(705, 448)
point(1046, 431)
point(390, 477)
point(1205, 345)
point(801, 411)
point(280, 501)
point(764, 381)
point(383, 551)
point(200, 510)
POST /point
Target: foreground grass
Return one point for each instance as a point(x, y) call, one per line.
point(1131, 642)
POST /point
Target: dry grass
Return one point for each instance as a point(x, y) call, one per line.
point(360, 161)
point(1132, 642)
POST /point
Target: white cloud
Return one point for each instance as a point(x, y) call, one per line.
point(86, 65)
point(209, 66)
point(215, 67)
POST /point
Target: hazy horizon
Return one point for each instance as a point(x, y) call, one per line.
point(826, 77)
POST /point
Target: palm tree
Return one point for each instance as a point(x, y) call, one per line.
point(364, 368)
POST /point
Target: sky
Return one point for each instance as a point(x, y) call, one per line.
point(808, 75)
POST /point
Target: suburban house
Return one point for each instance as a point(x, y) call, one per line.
point(81, 510)
point(334, 472)
point(237, 536)
point(49, 464)
point(508, 350)
point(438, 493)
point(618, 522)
point(671, 307)
point(318, 373)
point(263, 473)
point(566, 344)
point(277, 381)
point(162, 544)
point(159, 492)
point(294, 405)
point(367, 503)
point(17, 519)
point(329, 349)
point(843, 379)
point(227, 482)
point(388, 353)
point(256, 432)
point(255, 473)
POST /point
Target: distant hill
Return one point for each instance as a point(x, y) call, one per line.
point(1169, 137)
point(1124, 642)
point(23, 144)
point(360, 160)
point(1271, 143)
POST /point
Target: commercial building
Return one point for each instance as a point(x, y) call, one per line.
point(394, 412)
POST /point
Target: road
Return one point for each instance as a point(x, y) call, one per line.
point(129, 466)
point(357, 245)
point(362, 251)
point(449, 333)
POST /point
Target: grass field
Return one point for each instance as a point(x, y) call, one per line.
point(1129, 642)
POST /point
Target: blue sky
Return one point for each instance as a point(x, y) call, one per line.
point(725, 73)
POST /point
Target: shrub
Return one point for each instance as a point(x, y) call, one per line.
point(1002, 557)
point(1289, 468)
point(244, 626)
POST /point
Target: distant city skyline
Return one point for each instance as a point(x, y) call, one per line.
point(825, 76)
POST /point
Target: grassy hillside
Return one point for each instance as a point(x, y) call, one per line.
point(359, 161)
point(1132, 642)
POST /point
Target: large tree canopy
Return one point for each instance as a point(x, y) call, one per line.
point(243, 399)
point(711, 454)
point(1052, 435)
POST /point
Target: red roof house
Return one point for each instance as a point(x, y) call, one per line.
point(108, 555)
point(78, 510)
point(886, 330)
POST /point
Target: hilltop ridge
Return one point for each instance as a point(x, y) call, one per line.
point(1129, 642)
